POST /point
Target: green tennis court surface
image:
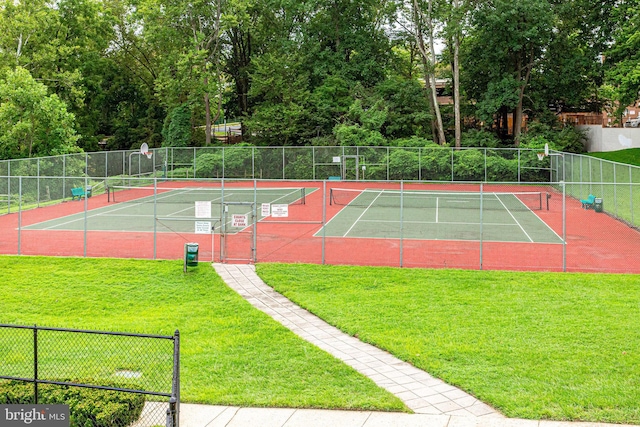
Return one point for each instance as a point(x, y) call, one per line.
point(143, 209)
point(500, 217)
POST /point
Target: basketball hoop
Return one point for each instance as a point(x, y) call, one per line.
point(541, 156)
point(144, 149)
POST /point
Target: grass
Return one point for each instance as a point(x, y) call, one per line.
point(231, 353)
point(534, 345)
point(630, 156)
point(616, 180)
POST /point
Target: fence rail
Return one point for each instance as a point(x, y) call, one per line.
point(293, 163)
point(131, 378)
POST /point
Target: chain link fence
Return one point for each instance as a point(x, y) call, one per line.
point(56, 177)
point(106, 378)
point(592, 237)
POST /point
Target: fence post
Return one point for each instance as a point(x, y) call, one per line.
point(324, 218)
point(86, 209)
point(481, 222)
point(38, 182)
point(615, 190)
point(19, 214)
point(64, 175)
point(9, 186)
point(35, 363)
point(401, 222)
point(631, 194)
point(564, 226)
point(485, 164)
point(174, 402)
point(451, 152)
point(155, 218)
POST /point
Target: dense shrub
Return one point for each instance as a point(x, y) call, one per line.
point(501, 169)
point(209, 165)
point(468, 165)
point(87, 407)
point(299, 166)
point(479, 138)
point(567, 138)
point(403, 164)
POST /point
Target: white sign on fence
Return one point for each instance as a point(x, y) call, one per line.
point(203, 209)
point(280, 211)
point(203, 227)
point(266, 209)
point(239, 220)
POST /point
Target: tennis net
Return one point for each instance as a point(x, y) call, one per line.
point(149, 194)
point(513, 201)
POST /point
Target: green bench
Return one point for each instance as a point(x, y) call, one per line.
point(589, 202)
point(77, 192)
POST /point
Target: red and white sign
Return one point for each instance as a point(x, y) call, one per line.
point(240, 221)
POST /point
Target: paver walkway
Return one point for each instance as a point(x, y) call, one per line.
point(420, 391)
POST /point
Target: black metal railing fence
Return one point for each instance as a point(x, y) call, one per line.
point(106, 378)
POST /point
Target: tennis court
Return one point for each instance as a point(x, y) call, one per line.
point(425, 225)
point(433, 215)
point(174, 210)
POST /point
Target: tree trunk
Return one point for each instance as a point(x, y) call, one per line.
point(207, 114)
point(518, 114)
point(428, 61)
point(456, 83)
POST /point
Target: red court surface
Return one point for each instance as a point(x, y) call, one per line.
point(595, 242)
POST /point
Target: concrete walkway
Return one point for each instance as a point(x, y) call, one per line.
point(227, 416)
point(421, 392)
point(435, 403)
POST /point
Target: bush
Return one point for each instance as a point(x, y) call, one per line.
point(479, 138)
point(209, 165)
point(87, 407)
point(468, 165)
point(414, 141)
point(567, 139)
point(403, 164)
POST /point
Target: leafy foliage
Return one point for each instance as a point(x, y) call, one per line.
point(177, 127)
point(296, 73)
point(87, 407)
point(32, 122)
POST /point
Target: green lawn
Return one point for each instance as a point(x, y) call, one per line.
point(534, 345)
point(231, 353)
point(629, 156)
point(615, 179)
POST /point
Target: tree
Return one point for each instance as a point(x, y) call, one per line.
point(281, 115)
point(507, 43)
point(456, 20)
point(417, 18)
point(571, 76)
point(32, 122)
point(187, 38)
point(622, 61)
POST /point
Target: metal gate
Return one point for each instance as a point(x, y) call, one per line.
point(351, 167)
point(238, 232)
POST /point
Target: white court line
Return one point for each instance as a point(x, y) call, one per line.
point(517, 222)
point(441, 222)
point(96, 214)
point(362, 214)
